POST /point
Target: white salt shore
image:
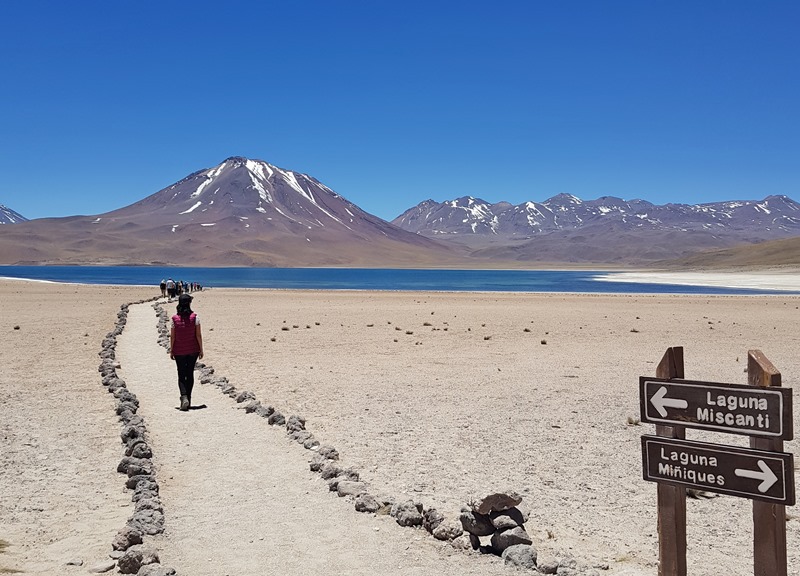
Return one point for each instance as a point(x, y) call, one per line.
point(778, 281)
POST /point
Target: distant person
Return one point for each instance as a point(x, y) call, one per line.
point(171, 289)
point(163, 286)
point(185, 347)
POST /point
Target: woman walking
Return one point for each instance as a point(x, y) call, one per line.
point(185, 347)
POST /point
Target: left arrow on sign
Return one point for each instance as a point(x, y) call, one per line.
point(661, 402)
point(767, 476)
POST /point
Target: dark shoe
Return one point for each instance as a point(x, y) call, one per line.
point(184, 403)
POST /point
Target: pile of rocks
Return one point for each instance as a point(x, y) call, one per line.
point(495, 525)
point(148, 516)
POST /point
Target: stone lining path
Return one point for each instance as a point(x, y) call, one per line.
point(239, 497)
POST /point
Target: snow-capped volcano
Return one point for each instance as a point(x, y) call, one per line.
point(240, 212)
point(8, 216)
point(244, 194)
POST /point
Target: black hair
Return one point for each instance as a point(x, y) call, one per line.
point(185, 310)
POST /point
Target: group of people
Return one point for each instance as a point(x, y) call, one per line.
point(174, 288)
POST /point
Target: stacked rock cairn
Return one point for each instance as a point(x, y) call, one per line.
point(495, 525)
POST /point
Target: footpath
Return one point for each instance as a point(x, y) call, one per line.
point(238, 496)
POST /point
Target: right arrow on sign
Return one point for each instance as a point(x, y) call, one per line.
point(766, 476)
point(661, 402)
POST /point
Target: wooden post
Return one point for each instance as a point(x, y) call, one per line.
point(769, 520)
point(671, 499)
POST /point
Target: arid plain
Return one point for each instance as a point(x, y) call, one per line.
point(436, 397)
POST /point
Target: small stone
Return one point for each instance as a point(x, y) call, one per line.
point(330, 470)
point(295, 423)
point(367, 503)
point(155, 570)
point(476, 524)
point(244, 396)
point(507, 519)
point(75, 562)
point(136, 557)
point(496, 502)
point(143, 495)
point(311, 444)
point(521, 555)
point(126, 538)
point(317, 462)
point(141, 450)
point(350, 488)
point(348, 475)
point(251, 407)
point(431, 519)
point(127, 407)
point(506, 538)
point(102, 567)
point(328, 452)
point(150, 522)
point(151, 503)
point(461, 542)
point(131, 444)
point(142, 468)
point(448, 530)
point(276, 419)
point(406, 514)
point(264, 411)
point(299, 436)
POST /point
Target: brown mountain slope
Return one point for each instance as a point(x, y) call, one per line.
point(775, 253)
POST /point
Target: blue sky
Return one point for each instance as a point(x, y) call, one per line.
point(392, 103)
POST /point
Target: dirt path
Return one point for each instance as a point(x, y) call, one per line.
point(238, 494)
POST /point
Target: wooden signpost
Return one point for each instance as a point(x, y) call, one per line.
point(763, 473)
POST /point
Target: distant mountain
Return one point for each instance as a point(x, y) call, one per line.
point(8, 216)
point(241, 212)
point(608, 230)
point(773, 217)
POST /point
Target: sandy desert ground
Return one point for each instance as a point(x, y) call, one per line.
point(437, 397)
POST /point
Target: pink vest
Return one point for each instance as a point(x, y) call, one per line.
point(185, 341)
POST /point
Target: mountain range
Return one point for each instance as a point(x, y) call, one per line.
point(611, 230)
point(246, 212)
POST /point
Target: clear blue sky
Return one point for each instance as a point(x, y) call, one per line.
point(392, 103)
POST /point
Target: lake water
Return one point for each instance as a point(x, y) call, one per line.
point(362, 279)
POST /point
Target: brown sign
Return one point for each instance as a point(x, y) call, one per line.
point(742, 472)
point(730, 408)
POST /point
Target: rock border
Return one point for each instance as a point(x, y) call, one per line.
point(129, 553)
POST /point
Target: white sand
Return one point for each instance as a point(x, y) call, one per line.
point(435, 397)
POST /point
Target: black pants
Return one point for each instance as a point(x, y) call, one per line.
point(186, 373)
